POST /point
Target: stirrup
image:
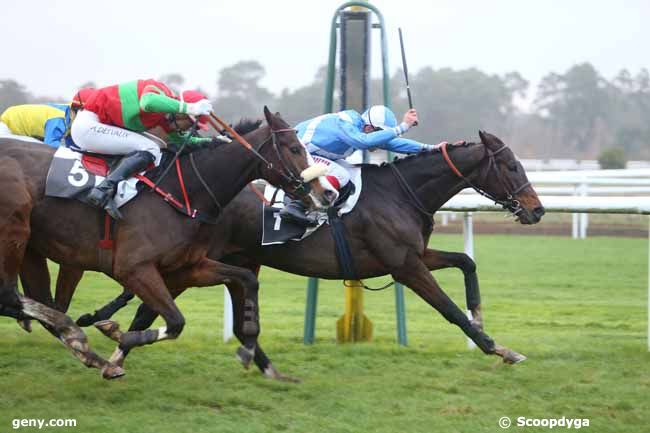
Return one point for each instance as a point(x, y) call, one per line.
point(112, 210)
point(294, 215)
point(98, 197)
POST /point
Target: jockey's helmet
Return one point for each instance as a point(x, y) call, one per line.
point(195, 96)
point(80, 98)
point(379, 116)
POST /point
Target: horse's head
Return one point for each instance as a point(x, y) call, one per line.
point(503, 177)
point(290, 164)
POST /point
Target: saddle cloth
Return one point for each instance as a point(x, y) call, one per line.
point(73, 174)
point(276, 230)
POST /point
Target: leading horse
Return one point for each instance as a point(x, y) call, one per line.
point(388, 232)
point(154, 239)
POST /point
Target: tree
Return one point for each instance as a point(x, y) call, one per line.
point(240, 94)
point(576, 105)
point(173, 81)
point(13, 93)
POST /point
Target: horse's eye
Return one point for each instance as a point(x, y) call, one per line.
point(512, 166)
point(295, 150)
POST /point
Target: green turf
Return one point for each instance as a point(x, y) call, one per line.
point(577, 309)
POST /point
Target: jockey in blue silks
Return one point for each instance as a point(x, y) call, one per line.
point(333, 137)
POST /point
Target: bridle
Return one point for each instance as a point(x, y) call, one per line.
point(510, 202)
point(298, 187)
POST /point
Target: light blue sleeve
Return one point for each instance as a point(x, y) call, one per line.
point(54, 131)
point(403, 145)
point(352, 136)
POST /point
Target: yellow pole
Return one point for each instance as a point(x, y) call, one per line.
point(353, 326)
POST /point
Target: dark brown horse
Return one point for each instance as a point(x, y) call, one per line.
point(154, 239)
point(389, 231)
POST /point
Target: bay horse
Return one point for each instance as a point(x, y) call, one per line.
point(153, 238)
point(388, 232)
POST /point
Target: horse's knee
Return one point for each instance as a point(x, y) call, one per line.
point(175, 325)
point(9, 295)
point(466, 264)
point(250, 281)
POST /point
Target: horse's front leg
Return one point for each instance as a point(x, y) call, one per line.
point(203, 274)
point(434, 260)
point(147, 283)
point(416, 275)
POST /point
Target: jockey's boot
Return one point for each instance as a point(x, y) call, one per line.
point(296, 212)
point(102, 195)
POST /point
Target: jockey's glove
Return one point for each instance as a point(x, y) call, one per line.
point(428, 147)
point(200, 108)
point(219, 139)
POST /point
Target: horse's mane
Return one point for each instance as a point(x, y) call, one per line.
point(246, 125)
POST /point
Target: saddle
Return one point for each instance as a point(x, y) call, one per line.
point(73, 174)
point(276, 230)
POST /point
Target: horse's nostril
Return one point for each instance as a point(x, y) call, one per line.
point(330, 196)
point(539, 211)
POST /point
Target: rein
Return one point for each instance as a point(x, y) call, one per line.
point(300, 188)
point(416, 202)
point(510, 202)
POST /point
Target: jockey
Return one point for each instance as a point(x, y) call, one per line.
point(333, 137)
point(114, 119)
point(47, 123)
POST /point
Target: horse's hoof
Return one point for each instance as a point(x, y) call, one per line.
point(86, 320)
point(110, 329)
point(274, 374)
point(26, 324)
point(245, 356)
point(512, 357)
point(112, 371)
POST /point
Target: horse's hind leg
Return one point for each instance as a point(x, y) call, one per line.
point(66, 284)
point(108, 310)
point(434, 260)
point(35, 279)
point(416, 276)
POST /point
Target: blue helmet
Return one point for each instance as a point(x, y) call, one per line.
point(379, 116)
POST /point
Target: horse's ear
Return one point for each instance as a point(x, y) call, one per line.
point(491, 141)
point(268, 115)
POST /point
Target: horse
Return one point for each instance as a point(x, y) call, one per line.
point(154, 238)
point(388, 232)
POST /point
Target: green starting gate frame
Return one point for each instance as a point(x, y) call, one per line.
point(312, 286)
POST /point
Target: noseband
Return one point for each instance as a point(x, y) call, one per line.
point(510, 202)
point(299, 187)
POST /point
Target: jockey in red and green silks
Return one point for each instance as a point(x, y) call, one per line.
point(113, 121)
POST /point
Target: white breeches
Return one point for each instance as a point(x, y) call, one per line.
point(4, 129)
point(6, 132)
point(337, 172)
point(93, 136)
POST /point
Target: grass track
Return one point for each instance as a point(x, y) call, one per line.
point(577, 309)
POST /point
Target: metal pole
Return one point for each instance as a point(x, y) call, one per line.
point(468, 236)
point(227, 316)
point(400, 313)
point(584, 218)
point(648, 283)
point(310, 311)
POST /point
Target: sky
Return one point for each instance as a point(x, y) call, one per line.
point(54, 46)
